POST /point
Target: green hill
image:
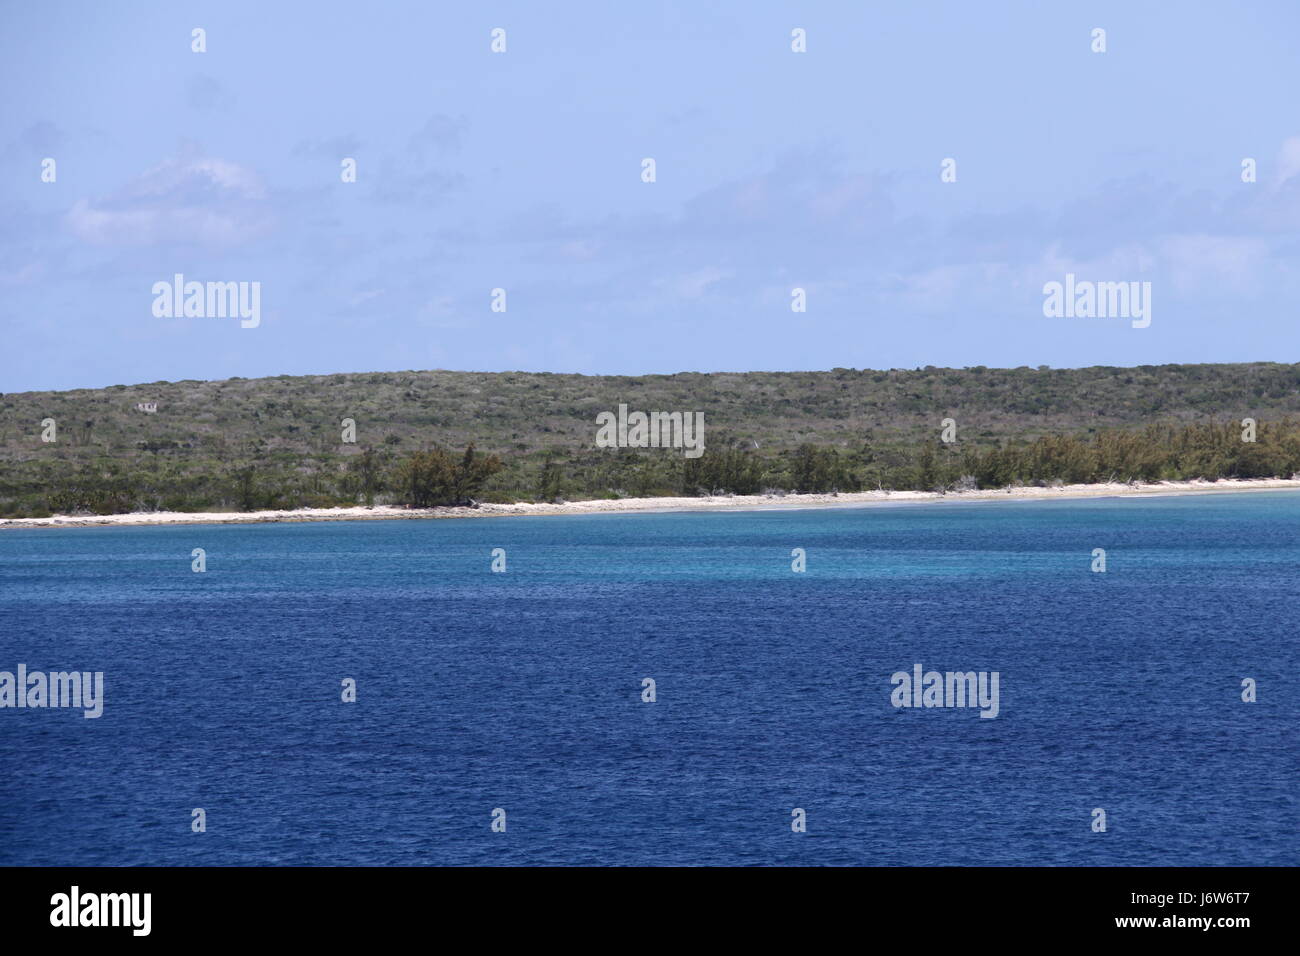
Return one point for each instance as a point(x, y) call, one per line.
point(249, 443)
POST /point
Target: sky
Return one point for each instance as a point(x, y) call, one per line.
point(522, 170)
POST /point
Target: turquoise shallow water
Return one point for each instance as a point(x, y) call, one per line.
point(522, 690)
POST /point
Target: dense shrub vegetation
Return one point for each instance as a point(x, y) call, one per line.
point(277, 443)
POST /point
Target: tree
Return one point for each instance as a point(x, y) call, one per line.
point(430, 478)
point(548, 487)
point(365, 467)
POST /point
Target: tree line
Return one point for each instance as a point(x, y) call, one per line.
point(258, 477)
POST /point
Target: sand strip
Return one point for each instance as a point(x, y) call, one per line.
point(635, 505)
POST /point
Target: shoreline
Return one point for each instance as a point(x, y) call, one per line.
point(653, 505)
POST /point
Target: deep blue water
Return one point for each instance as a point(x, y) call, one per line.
point(522, 690)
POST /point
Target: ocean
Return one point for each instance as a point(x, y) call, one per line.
point(503, 718)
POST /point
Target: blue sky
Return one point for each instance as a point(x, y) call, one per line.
point(522, 171)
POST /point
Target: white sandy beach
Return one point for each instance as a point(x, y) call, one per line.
point(635, 505)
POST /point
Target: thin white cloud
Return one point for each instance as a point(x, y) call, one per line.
point(191, 198)
point(1288, 160)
